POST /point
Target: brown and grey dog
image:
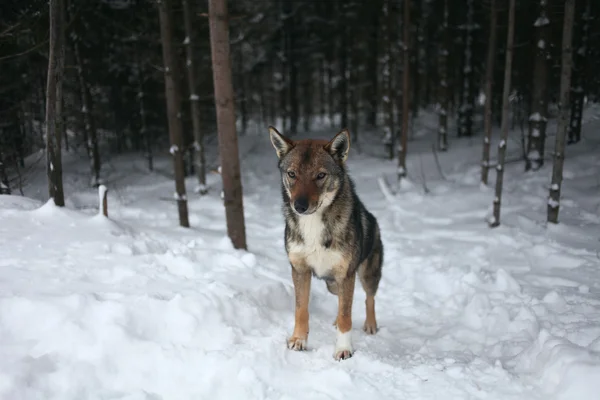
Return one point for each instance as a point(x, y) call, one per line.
point(328, 233)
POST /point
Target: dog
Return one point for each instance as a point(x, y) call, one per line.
point(329, 234)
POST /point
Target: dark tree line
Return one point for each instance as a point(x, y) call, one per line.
point(366, 65)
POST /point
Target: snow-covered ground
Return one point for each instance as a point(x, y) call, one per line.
point(135, 307)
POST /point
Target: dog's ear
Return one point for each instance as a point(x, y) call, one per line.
point(339, 146)
point(282, 144)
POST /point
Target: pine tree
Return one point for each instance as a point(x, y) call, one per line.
point(489, 82)
point(563, 118)
point(190, 39)
point(173, 95)
point(228, 143)
point(505, 110)
point(54, 126)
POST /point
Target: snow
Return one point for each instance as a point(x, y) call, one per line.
point(541, 21)
point(136, 307)
point(173, 149)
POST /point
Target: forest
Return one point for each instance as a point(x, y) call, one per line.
point(127, 81)
point(143, 247)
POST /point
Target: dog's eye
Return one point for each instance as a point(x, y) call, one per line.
point(291, 174)
point(321, 175)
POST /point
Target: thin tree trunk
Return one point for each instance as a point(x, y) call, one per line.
point(372, 63)
point(53, 103)
point(4, 185)
point(386, 80)
point(563, 119)
point(199, 158)
point(536, 140)
point(444, 76)
point(489, 83)
point(505, 110)
point(405, 93)
point(466, 107)
point(344, 74)
point(228, 142)
point(173, 95)
point(88, 118)
point(145, 133)
point(579, 77)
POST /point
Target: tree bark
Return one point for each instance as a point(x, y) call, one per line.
point(465, 126)
point(405, 93)
point(88, 118)
point(505, 110)
point(443, 88)
point(372, 64)
point(579, 76)
point(4, 184)
point(53, 103)
point(228, 143)
point(199, 157)
point(536, 140)
point(173, 95)
point(563, 119)
point(489, 83)
point(386, 80)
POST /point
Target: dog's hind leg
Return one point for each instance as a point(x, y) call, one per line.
point(369, 273)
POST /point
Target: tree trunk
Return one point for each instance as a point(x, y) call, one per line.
point(565, 83)
point(510, 38)
point(465, 127)
point(372, 63)
point(386, 80)
point(344, 74)
point(579, 76)
point(290, 27)
point(145, 133)
point(4, 185)
point(228, 143)
point(199, 158)
point(173, 95)
point(444, 76)
point(489, 83)
point(88, 118)
point(405, 93)
point(53, 103)
point(536, 140)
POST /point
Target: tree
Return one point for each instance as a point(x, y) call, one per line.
point(386, 79)
point(505, 110)
point(225, 107)
point(563, 118)
point(194, 99)
point(89, 124)
point(489, 82)
point(579, 75)
point(173, 108)
point(54, 126)
point(4, 184)
point(539, 101)
point(443, 86)
point(405, 93)
point(465, 112)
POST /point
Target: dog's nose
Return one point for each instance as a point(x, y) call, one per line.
point(301, 205)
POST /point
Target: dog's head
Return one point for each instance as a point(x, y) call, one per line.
point(312, 170)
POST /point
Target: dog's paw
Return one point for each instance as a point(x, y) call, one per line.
point(296, 343)
point(343, 346)
point(370, 327)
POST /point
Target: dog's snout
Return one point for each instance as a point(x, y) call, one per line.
point(301, 205)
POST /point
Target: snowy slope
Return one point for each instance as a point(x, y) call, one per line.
point(135, 307)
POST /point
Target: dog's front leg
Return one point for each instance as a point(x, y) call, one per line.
point(343, 343)
point(301, 277)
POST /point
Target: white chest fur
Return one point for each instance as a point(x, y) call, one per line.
point(320, 259)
